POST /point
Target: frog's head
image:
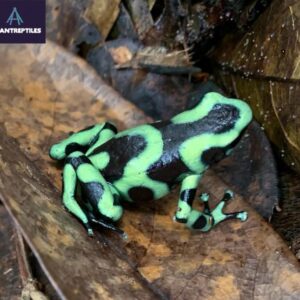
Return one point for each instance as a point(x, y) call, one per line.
point(62, 149)
point(226, 120)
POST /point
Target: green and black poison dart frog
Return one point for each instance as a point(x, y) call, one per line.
point(145, 162)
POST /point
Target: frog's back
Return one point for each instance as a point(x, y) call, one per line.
point(150, 159)
point(120, 150)
point(130, 152)
point(140, 161)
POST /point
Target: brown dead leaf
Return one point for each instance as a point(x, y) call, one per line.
point(140, 16)
point(121, 55)
point(160, 259)
point(10, 279)
point(103, 13)
point(263, 68)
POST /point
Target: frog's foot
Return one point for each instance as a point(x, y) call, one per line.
point(89, 229)
point(108, 225)
point(218, 214)
point(208, 219)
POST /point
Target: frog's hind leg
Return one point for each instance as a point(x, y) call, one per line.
point(91, 209)
point(98, 203)
point(210, 218)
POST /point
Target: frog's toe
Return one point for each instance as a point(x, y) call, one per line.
point(124, 236)
point(228, 195)
point(243, 216)
point(204, 197)
point(180, 220)
point(89, 229)
point(90, 232)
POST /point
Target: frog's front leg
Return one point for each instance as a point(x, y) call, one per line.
point(90, 137)
point(187, 195)
point(207, 219)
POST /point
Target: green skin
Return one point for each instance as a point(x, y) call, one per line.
point(131, 164)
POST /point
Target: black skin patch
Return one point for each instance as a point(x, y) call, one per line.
point(200, 223)
point(92, 192)
point(222, 118)
point(188, 196)
point(167, 169)
point(116, 199)
point(94, 139)
point(122, 149)
point(140, 193)
point(169, 166)
point(75, 147)
point(77, 161)
point(110, 127)
point(212, 155)
point(181, 220)
point(106, 126)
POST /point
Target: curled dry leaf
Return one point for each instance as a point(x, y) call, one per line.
point(159, 60)
point(160, 259)
point(263, 68)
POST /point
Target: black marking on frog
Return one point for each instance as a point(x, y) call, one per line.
point(92, 192)
point(181, 220)
point(124, 149)
point(140, 193)
point(110, 127)
point(94, 139)
point(213, 155)
point(200, 223)
point(188, 196)
point(167, 169)
point(221, 118)
point(77, 161)
point(169, 166)
point(116, 199)
point(72, 147)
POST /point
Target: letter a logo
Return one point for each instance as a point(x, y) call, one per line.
point(14, 16)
